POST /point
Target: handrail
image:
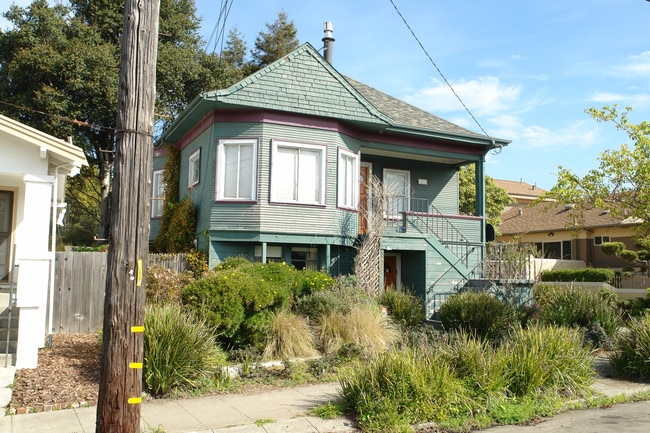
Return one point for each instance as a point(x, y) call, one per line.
point(14, 268)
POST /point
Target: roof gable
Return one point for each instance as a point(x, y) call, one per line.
point(301, 82)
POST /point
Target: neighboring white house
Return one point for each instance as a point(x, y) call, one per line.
point(34, 167)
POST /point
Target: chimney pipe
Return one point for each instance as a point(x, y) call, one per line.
point(328, 42)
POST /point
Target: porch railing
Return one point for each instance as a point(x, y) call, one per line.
point(406, 213)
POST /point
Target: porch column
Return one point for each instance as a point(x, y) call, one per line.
point(264, 252)
point(33, 259)
point(480, 200)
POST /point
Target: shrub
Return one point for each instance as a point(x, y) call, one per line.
point(290, 337)
point(479, 313)
point(397, 389)
point(239, 300)
point(316, 304)
point(363, 326)
point(197, 262)
point(232, 263)
point(631, 355)
point(578, 308)
point(179, 350)
point(546, 359)
point(473, 361)
point(595, 275)
point(310, 281)
point(403, 306)
point(165, 285)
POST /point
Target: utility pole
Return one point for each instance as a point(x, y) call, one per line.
point(120, 385)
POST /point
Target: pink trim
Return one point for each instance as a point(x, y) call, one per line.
point(304, 121)
point(236, 201)
point(281, 203)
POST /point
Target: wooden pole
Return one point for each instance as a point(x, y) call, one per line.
point(120, 385)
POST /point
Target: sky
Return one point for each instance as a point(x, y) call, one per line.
point(525, 70)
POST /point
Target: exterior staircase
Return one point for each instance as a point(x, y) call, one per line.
point(8, 345)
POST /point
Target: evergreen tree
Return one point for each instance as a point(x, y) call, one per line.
point(279, 40)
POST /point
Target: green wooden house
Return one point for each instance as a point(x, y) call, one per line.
point(277, 167)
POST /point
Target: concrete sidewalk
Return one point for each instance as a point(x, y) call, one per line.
point(284, 410)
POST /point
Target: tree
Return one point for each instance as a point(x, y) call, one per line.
point(496, 198)
point(279, 40)
point(59, 69)
point(621, 183)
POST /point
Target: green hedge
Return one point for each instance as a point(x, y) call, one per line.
point(592, 275)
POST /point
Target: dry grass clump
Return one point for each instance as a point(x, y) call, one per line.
point(290, 337)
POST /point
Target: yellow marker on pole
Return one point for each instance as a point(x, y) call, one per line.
point(138, 281)
point(134, 400)
point(137, 328)
point(135, 365)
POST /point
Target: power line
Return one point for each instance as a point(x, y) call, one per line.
point(94, 127)
point(439, 71)
point(220, 26)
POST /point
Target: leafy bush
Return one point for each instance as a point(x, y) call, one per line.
point(238, 300)
point(404, 307)
point(546, 359)
point(314, 281)
point(198, 263)
point(594, 275)
point(631, 356)
point(316, 304)
point(165, 285)
point(179, 350)
point(479, 313)
point(578, 308)
point(290, 337)
point(232, 263)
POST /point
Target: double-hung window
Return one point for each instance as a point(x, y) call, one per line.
point(397, 184)
point(157, 194)
point(348, 179)
point(237, 169)
point(298, 173)
point(194, 168)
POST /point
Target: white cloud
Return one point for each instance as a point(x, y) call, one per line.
point(634, 65)
point(632, 100)
point(581, 133)
point(484, 95)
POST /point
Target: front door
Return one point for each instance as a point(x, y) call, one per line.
point(6, 198)
point(390, 272)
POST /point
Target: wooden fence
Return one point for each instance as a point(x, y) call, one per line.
point(79, 285)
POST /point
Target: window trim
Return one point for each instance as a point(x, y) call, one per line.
point(602, 240)
point(194, 167)
point(155, 198)
point(221, 171)
point(322, 149)
point(343, 154)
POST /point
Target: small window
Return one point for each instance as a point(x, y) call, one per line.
point(273, 253)
point(298, 173)
point(599, 240)
point(237, 170)
point(194, 168)
point(157, 194)
point(348, 179)
point(397, 185)
point(304, 258)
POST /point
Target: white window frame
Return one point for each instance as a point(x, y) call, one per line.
point(194, 168)
point(157, 194)
point(348, 180)
point(222, 172)
point(279, 175)
point(394, 206)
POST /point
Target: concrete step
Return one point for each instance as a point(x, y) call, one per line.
point(7, 375)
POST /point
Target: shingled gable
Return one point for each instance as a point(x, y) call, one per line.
point(302, 82)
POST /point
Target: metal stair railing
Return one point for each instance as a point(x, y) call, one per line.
point(11, 302)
